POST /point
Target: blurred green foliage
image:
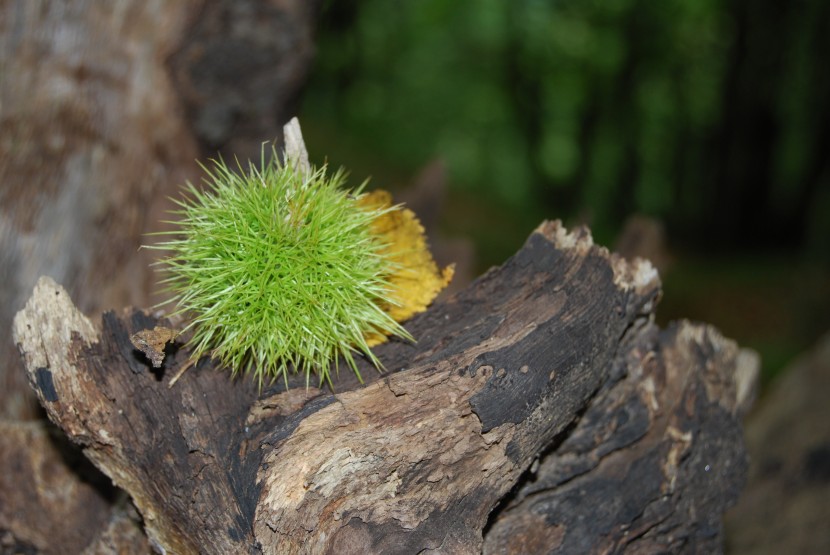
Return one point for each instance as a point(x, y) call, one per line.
point(711, 115)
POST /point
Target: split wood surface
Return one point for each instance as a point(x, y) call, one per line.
point(541, 410)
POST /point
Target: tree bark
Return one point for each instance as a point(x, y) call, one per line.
point(103, 109)
point(541, 410)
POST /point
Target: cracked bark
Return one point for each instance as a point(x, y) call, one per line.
point(541, 410)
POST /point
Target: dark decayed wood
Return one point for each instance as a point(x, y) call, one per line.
point(541, 408)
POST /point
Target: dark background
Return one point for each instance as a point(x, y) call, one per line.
point(710, 118)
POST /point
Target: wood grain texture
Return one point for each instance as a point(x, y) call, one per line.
point(44, 507)
point(92, 146)
point(240, 70)
point(104, 109)
point(658, 456)
point(443, 452)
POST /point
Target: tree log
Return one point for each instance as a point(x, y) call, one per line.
point(103, 107)
point(540, 410)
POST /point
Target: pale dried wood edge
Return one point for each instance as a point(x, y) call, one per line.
point(296, 155)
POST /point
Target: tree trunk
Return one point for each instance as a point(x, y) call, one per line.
point(541, 410)
point(103, 107)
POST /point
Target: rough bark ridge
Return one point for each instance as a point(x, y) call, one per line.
point(545, 378)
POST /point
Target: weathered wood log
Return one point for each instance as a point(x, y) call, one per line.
point(95, 138)
point(93, 145)
point(240, 69)
point(52, 502)
point(657, 456)
point(540, 409)
point(785, 504)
